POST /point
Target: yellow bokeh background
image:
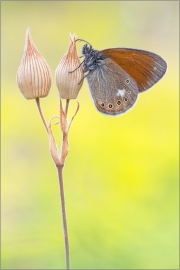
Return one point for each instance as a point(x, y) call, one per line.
point(121, 174)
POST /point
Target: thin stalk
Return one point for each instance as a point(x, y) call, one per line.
point(60, 166)
point(67, 105)
point(41, 113)
point(59, 160)
point(63, 208)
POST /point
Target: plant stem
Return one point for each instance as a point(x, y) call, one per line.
point(60, 165)
point(63, 208)
point(67, 105)
point(41, 113)
point(59, 160)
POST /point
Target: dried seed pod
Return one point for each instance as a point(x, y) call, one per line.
point(34, 74)
point(69, 84)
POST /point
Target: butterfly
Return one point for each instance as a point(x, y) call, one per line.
point(116, 76)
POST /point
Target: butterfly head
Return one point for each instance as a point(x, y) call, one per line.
point(87, 50)
point(92, 58)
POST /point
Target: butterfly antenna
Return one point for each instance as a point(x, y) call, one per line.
point(79, 39)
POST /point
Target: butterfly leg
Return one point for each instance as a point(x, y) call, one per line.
point(76, 68)
point(84, 77)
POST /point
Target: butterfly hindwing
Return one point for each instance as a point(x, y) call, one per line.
point(112, 89)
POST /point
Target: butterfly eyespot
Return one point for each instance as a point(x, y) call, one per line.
point(118, 102)
point(110, 106)
point(102, 104)
point(155, 68)
point(127, 81)
point(129, 92)
point(125, 99)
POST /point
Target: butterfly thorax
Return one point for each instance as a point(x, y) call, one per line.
point(92, 58)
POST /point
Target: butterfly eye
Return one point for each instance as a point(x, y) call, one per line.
point(125, 99)
point(110, 106)
point(127, 81)
point(118, 102)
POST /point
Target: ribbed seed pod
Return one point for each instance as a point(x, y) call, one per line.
point(69, 84)
point(34, 74)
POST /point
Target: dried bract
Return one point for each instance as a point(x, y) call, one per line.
point(34, 74)
point(69, 83)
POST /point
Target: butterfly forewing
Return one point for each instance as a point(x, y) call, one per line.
point(113, 90)
point(144, 67)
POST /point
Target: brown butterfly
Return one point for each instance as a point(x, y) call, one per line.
point(116, 76)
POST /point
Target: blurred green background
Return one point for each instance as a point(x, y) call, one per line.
point(121, 174)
